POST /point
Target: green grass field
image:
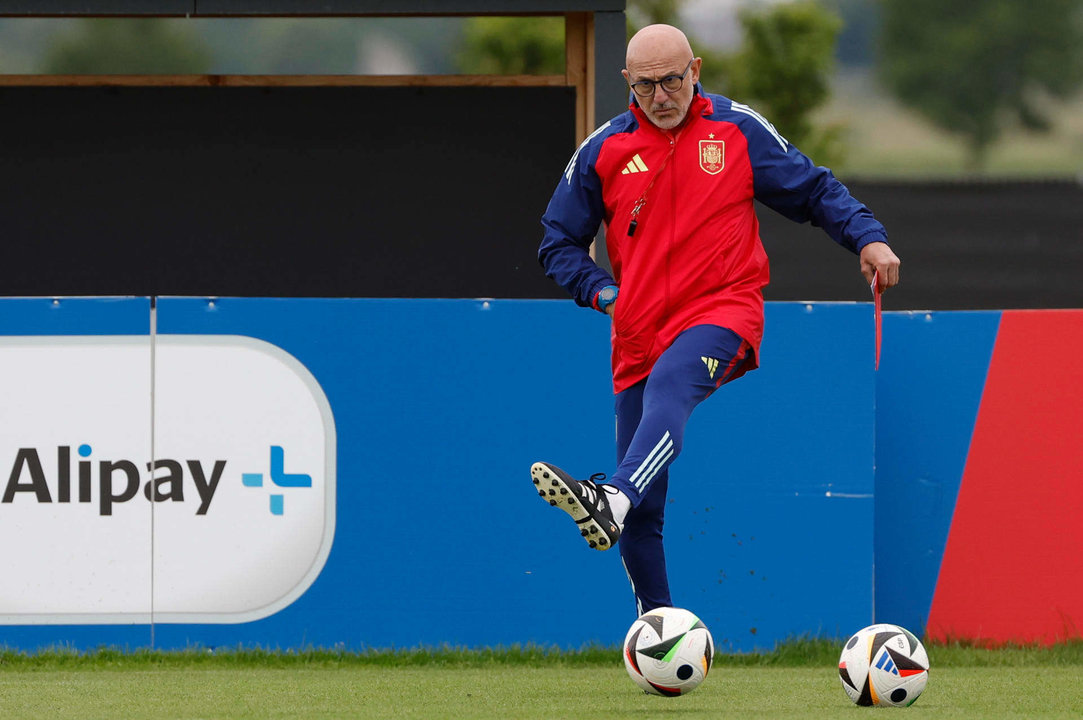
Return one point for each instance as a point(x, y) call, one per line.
point(797, 681)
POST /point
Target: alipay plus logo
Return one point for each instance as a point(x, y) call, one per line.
point(279, 478)
point(231, 520)
point(103, 484)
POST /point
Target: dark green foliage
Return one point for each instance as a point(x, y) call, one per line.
point(642, 13)
point(974, 67)
point(860, 26)
point(783, 70)
point(128, 46)
point(512, 46)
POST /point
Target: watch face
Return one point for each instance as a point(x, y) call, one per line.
point(607, 295)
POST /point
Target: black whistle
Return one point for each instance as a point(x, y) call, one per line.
point(632, 228)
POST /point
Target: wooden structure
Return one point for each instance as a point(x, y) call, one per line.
point(594, 40)
point(289, 186)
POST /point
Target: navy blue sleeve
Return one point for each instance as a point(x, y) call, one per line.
point(571, 221)
point(785, 180)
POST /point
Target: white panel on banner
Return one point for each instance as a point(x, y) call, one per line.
point(243, 479)
point(74, 441)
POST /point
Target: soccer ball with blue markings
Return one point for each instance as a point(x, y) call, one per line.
point(668, 651)
point(884, 665)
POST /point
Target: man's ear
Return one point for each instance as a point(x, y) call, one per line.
point(628, 79)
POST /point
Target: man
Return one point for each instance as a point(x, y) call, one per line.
point(674, 180)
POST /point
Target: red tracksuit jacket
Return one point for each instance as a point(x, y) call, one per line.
point(695, 255)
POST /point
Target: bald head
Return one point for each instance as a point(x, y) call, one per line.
point(656, 41)
point(654, 53)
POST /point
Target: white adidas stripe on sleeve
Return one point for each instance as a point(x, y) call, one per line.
point(738, 107)
point(570, 170)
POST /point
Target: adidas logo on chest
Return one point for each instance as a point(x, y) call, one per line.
point(635, 165)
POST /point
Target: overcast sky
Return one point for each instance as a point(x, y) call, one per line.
point(714, 21)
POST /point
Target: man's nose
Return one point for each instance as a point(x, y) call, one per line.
point(660, 95)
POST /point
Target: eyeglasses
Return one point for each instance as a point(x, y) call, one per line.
point(670, 83)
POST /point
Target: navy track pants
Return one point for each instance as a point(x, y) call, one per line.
point(651, 417)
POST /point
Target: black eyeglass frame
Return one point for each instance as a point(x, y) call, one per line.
point(652, 84)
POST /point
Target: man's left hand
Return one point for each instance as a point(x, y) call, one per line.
point(877, 257)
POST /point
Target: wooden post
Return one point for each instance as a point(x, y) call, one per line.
point(579, 68)
point(579, 73)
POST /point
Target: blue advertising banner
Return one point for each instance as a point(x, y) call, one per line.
point(927, 394)
point(53, 404)
point(355, 473)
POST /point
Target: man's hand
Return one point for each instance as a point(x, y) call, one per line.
point(610, 306)
point(877, 257)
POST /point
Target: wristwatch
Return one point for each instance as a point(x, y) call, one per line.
point(607, 296)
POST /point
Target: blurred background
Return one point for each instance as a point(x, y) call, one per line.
point(872, 88)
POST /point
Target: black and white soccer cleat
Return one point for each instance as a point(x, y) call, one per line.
point(585, 500)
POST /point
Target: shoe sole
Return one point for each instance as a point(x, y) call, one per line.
point(553, 489)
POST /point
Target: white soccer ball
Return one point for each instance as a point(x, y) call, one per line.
point(668, 651)
point(884, 665)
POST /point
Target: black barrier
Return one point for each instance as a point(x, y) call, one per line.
point(421, 192)
point(285, 191)
point(963, 244)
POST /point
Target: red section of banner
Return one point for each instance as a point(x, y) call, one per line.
point(1013, 566)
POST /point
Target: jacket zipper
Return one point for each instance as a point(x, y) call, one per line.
point(672, 233)
point(639, 203)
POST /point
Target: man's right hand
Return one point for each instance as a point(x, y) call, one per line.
point(877, 257)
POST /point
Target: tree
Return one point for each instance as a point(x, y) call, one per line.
point(856, 46)
point(784, 67)
point(972, 68)
point(642, 13)
point(148, 45)
point(513, 46)
point(520, 45)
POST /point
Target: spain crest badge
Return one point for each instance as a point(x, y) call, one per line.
point(712, 156)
